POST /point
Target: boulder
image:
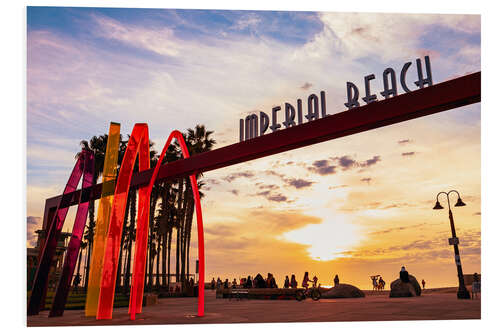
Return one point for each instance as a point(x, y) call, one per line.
point(402, 289)
point(343, 291)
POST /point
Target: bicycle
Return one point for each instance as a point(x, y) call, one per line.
point(312, 292)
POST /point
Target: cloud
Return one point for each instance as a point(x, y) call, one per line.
point(366, 180)
point(220, 229)
point(322, 167)
point(274, 173)
point(250, 20)
point(346, 162)
point(404, 141)
point(299, 183)
point(410, 153)
point(236, 175)
point(389, 230)
point(268, 186)
point(277, 197)
point(235, 192)
point(388, 36)
point(211, 181)
point(160, 40)
point(306, 86)
point(370, 161)
point(33, 223)
point(337, 186)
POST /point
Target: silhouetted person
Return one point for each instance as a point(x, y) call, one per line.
point(476, 285)
point(287, 282)
point(336, 280)
point(315, 281)
point(268, 280)
point(305, 281)
point(219, 283)
point(226, 284)
point(403, 275)
point(374, 281)
point(260, 282)
point(293, 282)
point(272, 282)
point(235, 283)
point(423, 284)
point(212, 284)
point(248, 282)
point(381, 283)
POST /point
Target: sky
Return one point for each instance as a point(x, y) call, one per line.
point(355, 206)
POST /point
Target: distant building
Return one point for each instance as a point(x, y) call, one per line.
point(56, 267)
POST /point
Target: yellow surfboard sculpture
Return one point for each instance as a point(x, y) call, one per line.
point(103, 217)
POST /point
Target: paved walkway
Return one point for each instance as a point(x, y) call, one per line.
point(375, 306)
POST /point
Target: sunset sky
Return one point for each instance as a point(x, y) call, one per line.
point(355, 206)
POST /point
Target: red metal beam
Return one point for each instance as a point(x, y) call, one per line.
point(444, 96)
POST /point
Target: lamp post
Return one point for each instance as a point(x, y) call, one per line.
point(462, 293)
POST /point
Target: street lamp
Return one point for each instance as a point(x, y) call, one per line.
point(462, 293)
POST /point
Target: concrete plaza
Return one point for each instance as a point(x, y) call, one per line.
point(432, 305)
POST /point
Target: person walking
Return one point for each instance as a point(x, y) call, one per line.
point(423, 284)
point(381, 283)
point(374, 281)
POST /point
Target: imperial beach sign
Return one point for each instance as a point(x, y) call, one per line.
point(256, 125)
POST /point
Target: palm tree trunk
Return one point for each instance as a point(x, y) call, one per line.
point(119, 280)
point(79, 261)
point(91, 229)
point(179, 228)
point(184, 233)
point(152, 210)
point(158, 262)
point(163, 260)
point(130, 236)
point(189, 218)
point(169, 245)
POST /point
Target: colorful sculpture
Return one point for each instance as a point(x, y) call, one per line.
point(109, 227)
point(85, 165)
point(64, 283)
point(103, 217)
point(138, 144)
point(140, 249)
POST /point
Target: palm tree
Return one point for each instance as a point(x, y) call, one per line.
point(97, 145)
point(130, 236)
point(165, 222)
point(198, 141)
point(189, 219)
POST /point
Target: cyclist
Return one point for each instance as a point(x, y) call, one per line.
point(305, 281)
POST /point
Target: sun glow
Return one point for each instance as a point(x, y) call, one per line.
point(328, 240)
